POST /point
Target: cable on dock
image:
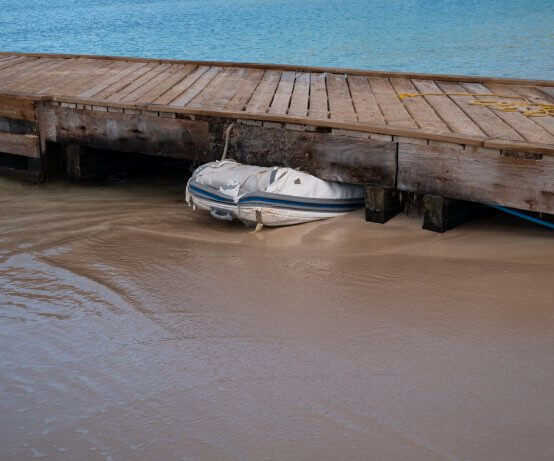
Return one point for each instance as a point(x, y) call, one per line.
point(523, 216)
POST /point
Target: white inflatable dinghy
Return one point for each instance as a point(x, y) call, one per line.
point(268, 196)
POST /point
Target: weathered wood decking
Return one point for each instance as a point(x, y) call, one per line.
point(362, 100)
point(443, 141)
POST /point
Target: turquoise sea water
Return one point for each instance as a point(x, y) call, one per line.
point(487, 37)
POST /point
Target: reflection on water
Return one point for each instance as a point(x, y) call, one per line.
point(131, 327)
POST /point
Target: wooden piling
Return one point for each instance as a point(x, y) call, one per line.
point(441, 213)
point(381, 204)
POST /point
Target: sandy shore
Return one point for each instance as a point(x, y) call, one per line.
point(131, 328)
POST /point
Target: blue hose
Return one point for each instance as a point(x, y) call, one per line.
point(522, 215)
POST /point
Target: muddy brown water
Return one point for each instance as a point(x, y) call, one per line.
point(133, 328)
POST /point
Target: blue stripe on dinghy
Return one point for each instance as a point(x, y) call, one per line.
point(215, 197)
point(292, 203)
point(352, 204)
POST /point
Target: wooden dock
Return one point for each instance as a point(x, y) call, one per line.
point(479, 139)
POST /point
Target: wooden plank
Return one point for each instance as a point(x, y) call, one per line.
point(263, 95)
point(391, 107)
point(524, 181)
point(182, 86)
point(420, 110)
point(23, 109)
point(25, 84)
point(447, 109)
point(8, 58)
point(18, 126)
point(328, 157)
point(319, 104)
point(244, 93)
point(71, 75)
point(302, 68)
point(13, 74)
point(526, 147)
point(283, 93)
point(300, 95)
point(135, 133)
point(14, 62)
point(142, 92)
point(534, 96)
point(19, 144)
point(90, 92)
point(7, 74)
point(487, 120)
point(163, 86)
point(226, 92)
point(527, 129)
point(340, 102)
point(67, 76)
point(209, 94)
point(49, 78)
point(119, 85)
point(197, 87)
point(364, 100)
point(93, 77)
point(137, 83)
point(548, 91)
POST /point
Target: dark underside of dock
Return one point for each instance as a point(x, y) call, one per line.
point(438, 144)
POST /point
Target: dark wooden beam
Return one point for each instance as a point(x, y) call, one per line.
point(441, 213)
point(381, 204)
point(20, 144)
point(334, 158)
point(177, 138)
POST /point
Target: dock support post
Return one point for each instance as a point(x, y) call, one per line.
point(381, 204)
point(34, 169)
point(85, 164)
point(441, 213)
point(72, 154)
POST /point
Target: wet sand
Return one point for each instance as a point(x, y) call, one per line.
point(133, 328)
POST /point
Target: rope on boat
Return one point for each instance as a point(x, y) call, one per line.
point(227, 133)
point(521, 104)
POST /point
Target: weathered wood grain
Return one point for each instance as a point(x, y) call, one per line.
point(263, 94)
point(364, 100)
point(298, 68)
point(245, 91)
point(300, 95)
point(487, 120)
point(18, 126)
point(341, 106)
point(518, 180)
point(20, 144)
point(449, 112)
point(191, 92)
point(420, 110)
point(523, 125)
point(134, 133)
point(392, 108)
point(23, 109)
point(319, 103)
point(351, 100)
point(283, 94)
point(326, 156)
